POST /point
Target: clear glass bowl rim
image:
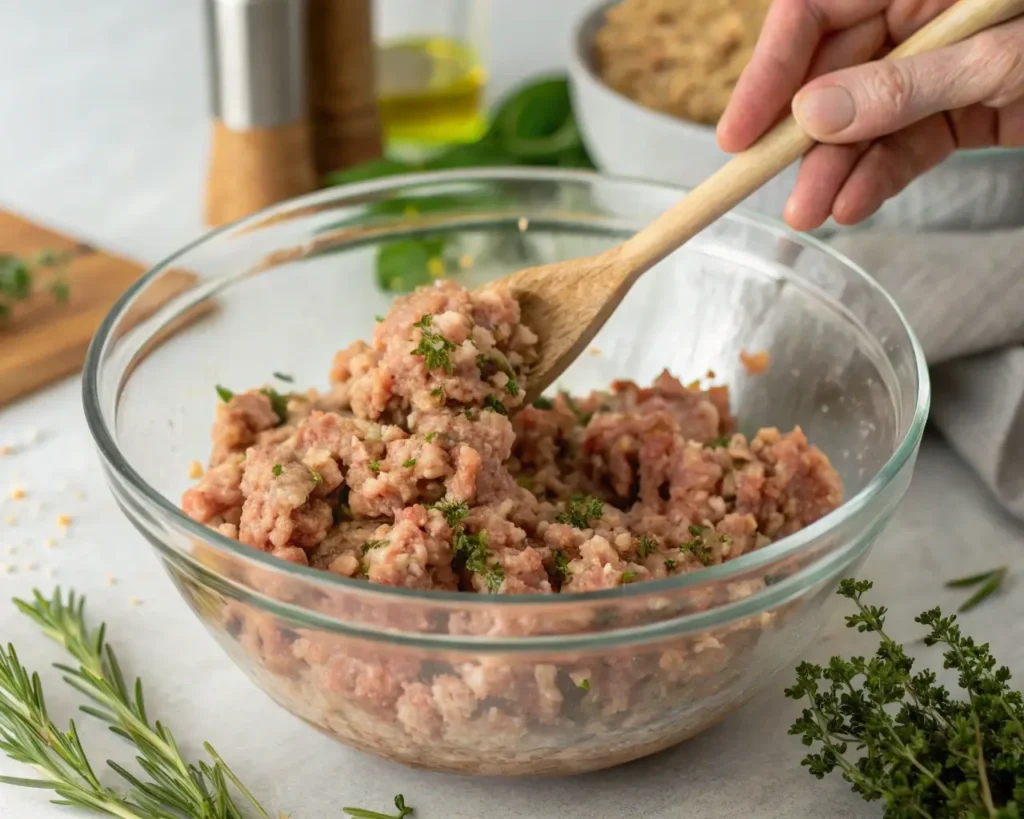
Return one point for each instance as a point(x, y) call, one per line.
point(724, 572)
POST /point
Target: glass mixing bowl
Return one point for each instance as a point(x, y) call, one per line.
point(527, 684)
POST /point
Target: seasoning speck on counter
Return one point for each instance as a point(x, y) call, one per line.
point(134, 601)
point(17, 493)
point(50, 543)
point(6, 450)
point(195, 470)
point(63, 521)
point(111, 580)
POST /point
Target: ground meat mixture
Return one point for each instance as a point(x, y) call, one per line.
point(681, 57)
point(417, 475)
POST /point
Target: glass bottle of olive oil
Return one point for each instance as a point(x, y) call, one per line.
point(430, 73)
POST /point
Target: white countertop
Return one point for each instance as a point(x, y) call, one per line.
point(104, 135)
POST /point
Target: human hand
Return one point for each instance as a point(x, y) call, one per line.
point(884, 122)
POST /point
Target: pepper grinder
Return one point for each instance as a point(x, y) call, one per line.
point(261, 150)
point(342, 84)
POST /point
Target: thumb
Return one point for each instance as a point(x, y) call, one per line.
point(877, 98)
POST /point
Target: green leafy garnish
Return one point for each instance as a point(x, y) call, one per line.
point(278, 403)
point(670, 564)
point(719, 442)
point(378, 318)
point(318, 479)
point(434, 347)
point(374, 466)
point(289, 379)
point(628, 576)
point(277, 470)
point(224, 393)
point(562, 564)
point(18, 277)
point(583, 685)
point(579, 511)
point(544, 403)
point(990, 582)
point(698, 546)
point(362, 813)
point(493, 403)
point(501, 363)
point(454, 512)
point(647, 546)
point(570, 402)
point(429, 437)
point(899, 737)
point(409, 463)
point(373, 544)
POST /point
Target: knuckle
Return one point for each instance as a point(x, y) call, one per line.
point(999, 57)
point(889, 87)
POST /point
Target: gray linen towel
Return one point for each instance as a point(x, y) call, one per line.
point(963, 293)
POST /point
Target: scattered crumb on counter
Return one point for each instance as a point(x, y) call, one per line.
point(594, 351)
point(111, 580)
point(6, 568)
point(63, 521)
point(50, 543)
point(17, 493)
point(710, 374)
point(28, 566)
point(524, 223)
point(754, 363)
point(134, 601)
point(6, 450)
point(195, 470)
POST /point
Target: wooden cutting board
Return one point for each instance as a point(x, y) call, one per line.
point(44, 340)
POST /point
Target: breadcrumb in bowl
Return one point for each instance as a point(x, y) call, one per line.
point(380, 615)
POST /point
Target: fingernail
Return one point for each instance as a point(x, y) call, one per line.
point(824, 111)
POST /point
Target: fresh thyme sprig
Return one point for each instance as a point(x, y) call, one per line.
point(176, 789)
point(923, 752)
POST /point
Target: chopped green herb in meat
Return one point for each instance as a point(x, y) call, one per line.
point(580, 510)
point(434, 347)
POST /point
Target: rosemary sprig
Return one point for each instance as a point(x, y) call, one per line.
point(990, 581)
point(176, 788)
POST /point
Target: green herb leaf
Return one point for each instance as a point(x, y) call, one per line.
point(224, 393)
point(583, 685)
point(405, 264)
point(988, 588)
point(285, 377)
point(570, 402)
point(973, 579)
point(429, 437)
point(409, 463)
point(277, 470)
point(544, 403)
point(670, 564)
point(493, 403)
point(434, 347)
point(318, 479)
point(562, 564)
point(580, 510)
point(374, 466)
point(628, 576)
point(647, 546)
point(278, 403)
point(454, 512)
point(373, 544)
point(362, 813)
point(719, 443)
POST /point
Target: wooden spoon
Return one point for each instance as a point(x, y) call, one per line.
point(566, 303)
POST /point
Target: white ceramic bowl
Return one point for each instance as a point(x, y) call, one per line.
point(971, 190)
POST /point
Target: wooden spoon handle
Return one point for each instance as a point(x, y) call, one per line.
point(787, 142)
